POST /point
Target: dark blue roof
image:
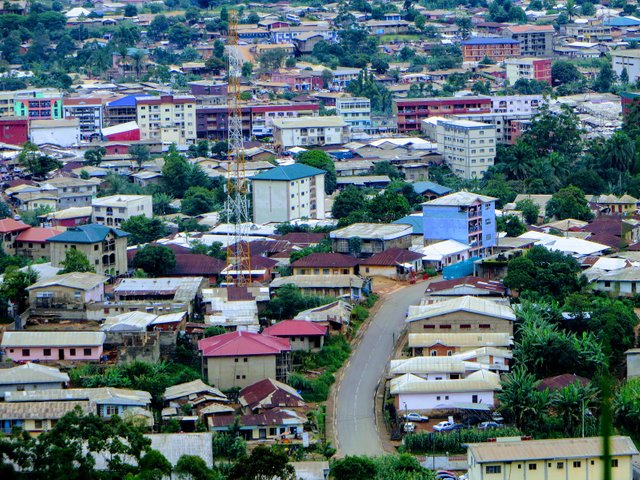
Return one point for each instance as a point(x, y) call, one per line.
point(91, 233)
point(621, 22)
point(341, 155)
point(421, 187)
point(488, 41)
point(128, 101)
point(416, 221)
point(288, 172)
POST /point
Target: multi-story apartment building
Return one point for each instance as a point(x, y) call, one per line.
point(114, 210)
point(465, 217)
point(262, 116)
point(525, 104)
point(89, 111)
point(309, 131)
point(356, 111)
point(342, 77)
point(498, 49)
point(39, 105)
point(6, 104)
point(122, 110)
point(528, 68)
point(506, 129)
point(589, 32)
point(71, 192)
point(287, 193)
point(212, 121)
point(288, 34)
point(167, 118)
point(629, 60)
point(411, 111)
point(304, 81)
point(468, 147)
point(535, 40)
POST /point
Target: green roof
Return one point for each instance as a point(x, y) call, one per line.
point(91, 233)
point(288, 172)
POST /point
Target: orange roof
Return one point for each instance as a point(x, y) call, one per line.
point(10, 225)
point(531, 28)
point(37, 234)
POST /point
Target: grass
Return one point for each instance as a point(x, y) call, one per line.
point(405, 37)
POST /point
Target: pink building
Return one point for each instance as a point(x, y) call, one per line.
point(24, 346)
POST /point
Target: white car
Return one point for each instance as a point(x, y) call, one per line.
point(443, 426)
point(409, 427)
point(415, 417)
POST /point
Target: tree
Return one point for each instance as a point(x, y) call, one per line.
point(36, 162)
point(511, 225)
point(379, 65)
point(520, 400)
point(558, 133)
point(624, 76)
point(155, 260)
point(387, 207)
point(139, 153)
point(354, 468)
point(130, 10)
point(563, 72)
point(366, 86)
point(264, 463)
point(143, 229)
point(464, 27)
point(289, 301)
point(321, 160)
point(620, 152)
point(386, 168)
point(14, 286)
point(605, 78)
point(569, 202)
point(175, 173)
point(215, 65)
point(193, 467)
point(290, 62)
point(587, 9)
point(94, 156)
point(247, 69)
point(347, 201)
point(180, 35)
point(626, 406)
point(530, 211)
point(75, 261)
point(272, 59)
point(198, 200)
point(5, 211)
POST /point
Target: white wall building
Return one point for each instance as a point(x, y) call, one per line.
point(356, 111)
point(516, 104)
point(288, 193)
point(308, 131)
point(629, 59)
point(63, 133)
point(89, 112)
point(114, 210)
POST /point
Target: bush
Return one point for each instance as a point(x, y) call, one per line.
point(452, 442)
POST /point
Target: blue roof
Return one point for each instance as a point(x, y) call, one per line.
point(488, 41)
point(289, 172)
point(416, 221)
point(621, 22)
point(128, 101)
point(421, 187)
point(91, 233)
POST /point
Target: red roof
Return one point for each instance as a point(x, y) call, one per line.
point(326, 260)
point(273, 417)
point(37, 234)
point(236, 344)
point(561, 381)
point(393, 256)
point(177, 249)
point(530, 28)
point(267, 394)
point(476, 282)
point(238, 294)
point(609, 240)
point(295, 328)
point(10, 225)
point(197, 265)
point(303, 238)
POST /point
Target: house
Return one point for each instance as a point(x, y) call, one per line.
point(349, 287)
point(624, 282)
point(273, 424)
point(140, 322)
point(89, 112)
point(23, 346)
point(260, 269)
point(468, 218)
point(303, 335)
point(553, 459)
point(167, 118)
point(325, 264)
point(528, 68)
point(239, 359)
point(334, 315)
point(122, 132)
point(10, 229)
point(441, 254)
point(429, 190)
point(69, 291)
point(356, 111)
point(36, 417)
point(466, 286)
point(114, 210)
point(69, 217)
point(197, 265)
point(414, 393)
point(310, 131)
point(447, 344)
point(268, 394)
point(70, 191)
point(497, 49)
point(105, 247)
point(14, 130)
point(194, 393)
point(395, 263)
point(289, 192)
point(367, 239)
point(612, 204)
point(629, 60)
point(62, 132)
point(32, 243)
point(167, 292)
point(31, 376)
point(535, 40)
point(575, 247)
point(233, 307)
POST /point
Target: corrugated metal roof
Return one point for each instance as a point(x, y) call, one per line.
point(319, 281)
point(460, 199)
point(288, 172)
point(52, 339)
point(99, 395)
point(78, 280)
point(467, 303)
point(91, 233)
point(191, 388)
point(479, 381)
point(40, 410)
point(417, 340)
point(31, 373)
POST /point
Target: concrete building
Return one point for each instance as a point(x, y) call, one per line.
point(14, 130)
point(263, 116)
point(356, 111)
point(629, 60)
point(63, 133)
point(552, 459)
point(466, 217)
point(287, 193)
point(373, 238)
point(26, 346)
point(31, 376)
point(39, 105)
point(70, 191)
point(70, 291)
point(167, 118)
point(411, 111)
point(33, 244)
point(535, 40)
point(497, 49)
point(528, 68)
point(468, 147)
point(89, 112)
point(302, 132)
point(114, 210)
point(105, 247)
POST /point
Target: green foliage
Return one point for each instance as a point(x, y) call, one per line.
point(511, 225)
point(228, 446)
point(36, 162)
point(179, 175)
point(505, 11)
point(322, 247)
point(215, 250)
point(75, 261)
point(213, 331)
point(32, 217)
point(563, 72)
point(452, 442)
point(264, 463)
point(626, 406)
point(319, 159)
point(162, 204)
point(94, 156)
point(193, 467)
point(289, 301)
point(143, 229)
point(366, 86)
point(139, 153)
point(314, 389)
point(5, 211)
point(199, 200)
point(530, 211)
point(348, 201)
point(156, 260)
point(353, 468)
point(605, 79)
point(569, 202)
point(14, 286)
point(386, 168)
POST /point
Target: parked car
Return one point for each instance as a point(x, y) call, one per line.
point(446, 475)
point(409, 427)
point(489, 425)
point(443, 426)
point(496, 417)
point(415, 417)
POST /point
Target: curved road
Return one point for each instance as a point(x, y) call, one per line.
point(355, 416)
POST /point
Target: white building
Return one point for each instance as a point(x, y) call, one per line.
point(89, 112)
point(301, 132)
point(440, 254)
point(516, 104)
point(629, 59)
point(356, 111)
point(342, 77)
point(468, 147)
point(114, 210)
point(167, 118)
point(63, 133)
point(288, 193)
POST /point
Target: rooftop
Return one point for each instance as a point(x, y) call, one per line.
point(31, 373)
point(10, 225)
point(328, 260)
point(241, 343)
point(460, 199)
point(269, 393)
point(92, 233)
point(482, 380)
point(466, 304)
point(285, 173)
point(391, 257)
point(52, 339)
point(490, 41)
point(318, 281)
point(190, 388)
point(463, 340)
point(379, 231)
point(118, 200)
point(295, 328)
point(310, 122)
point(77, 280)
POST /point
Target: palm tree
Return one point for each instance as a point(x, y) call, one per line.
point(137, 59)
point(520, 401)
point(570, 405)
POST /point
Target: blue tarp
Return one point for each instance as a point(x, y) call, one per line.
point(459, 270)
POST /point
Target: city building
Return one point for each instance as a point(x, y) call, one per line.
point(516, 104)
point(62, 133)
point(32, 243)
point(289, 192)
point(528, 68)
point(89, 112)
point(497, 49)
point(628, 60)
point(551, 459)
point(122, 132)
point(31, 376)
point(356, 111)
point(589, 32)
point(302, 334)
point(69, 291)
point(10, 229)
point(310, 131)
point(105, 247)
point(114, 210)
point(373, 238)
point(167, 118)
point(70, 191)
point(212, 121)
point(411, 111)
point(24, 346)
point(43, 105)
point(535, 40)
point(14, 130)
point(465, 217)
point(122, 110)
point(263, 116)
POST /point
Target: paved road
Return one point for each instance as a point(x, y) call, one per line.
point(355, 416)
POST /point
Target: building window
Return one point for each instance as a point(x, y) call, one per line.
point(560, 465)
point(533, 466)
point(47, 352)
point(110, 410)
point(493, 469)
point(87, 352)
point(72, 352)
point(577, 464)
point(445, 327)
point(26, 352)
point(465, 326)
point(614, 463)
point(428, 327)
point(245, 360)
point(485, 326)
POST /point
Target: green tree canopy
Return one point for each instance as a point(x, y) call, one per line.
point(264, 463)
point(198, 200)
point(75, 261)
point(321, 160)
point(530, 211)
point(569, 202)
point(143, 229)
point(155, 260)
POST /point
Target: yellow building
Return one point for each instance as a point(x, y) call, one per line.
point(558, 459)
point(167, 118)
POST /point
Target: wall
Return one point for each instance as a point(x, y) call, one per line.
point(37, 353)
point(33, 250)
point(455, 319)
point(428, 401)
point(443, 223)
point(95, 255)
point(222, 372)
point(61, 136)
point(632, 65)
point(30, 386)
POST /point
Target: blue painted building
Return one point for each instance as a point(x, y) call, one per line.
point(462, 216)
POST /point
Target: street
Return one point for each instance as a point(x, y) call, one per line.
point(355, 416)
